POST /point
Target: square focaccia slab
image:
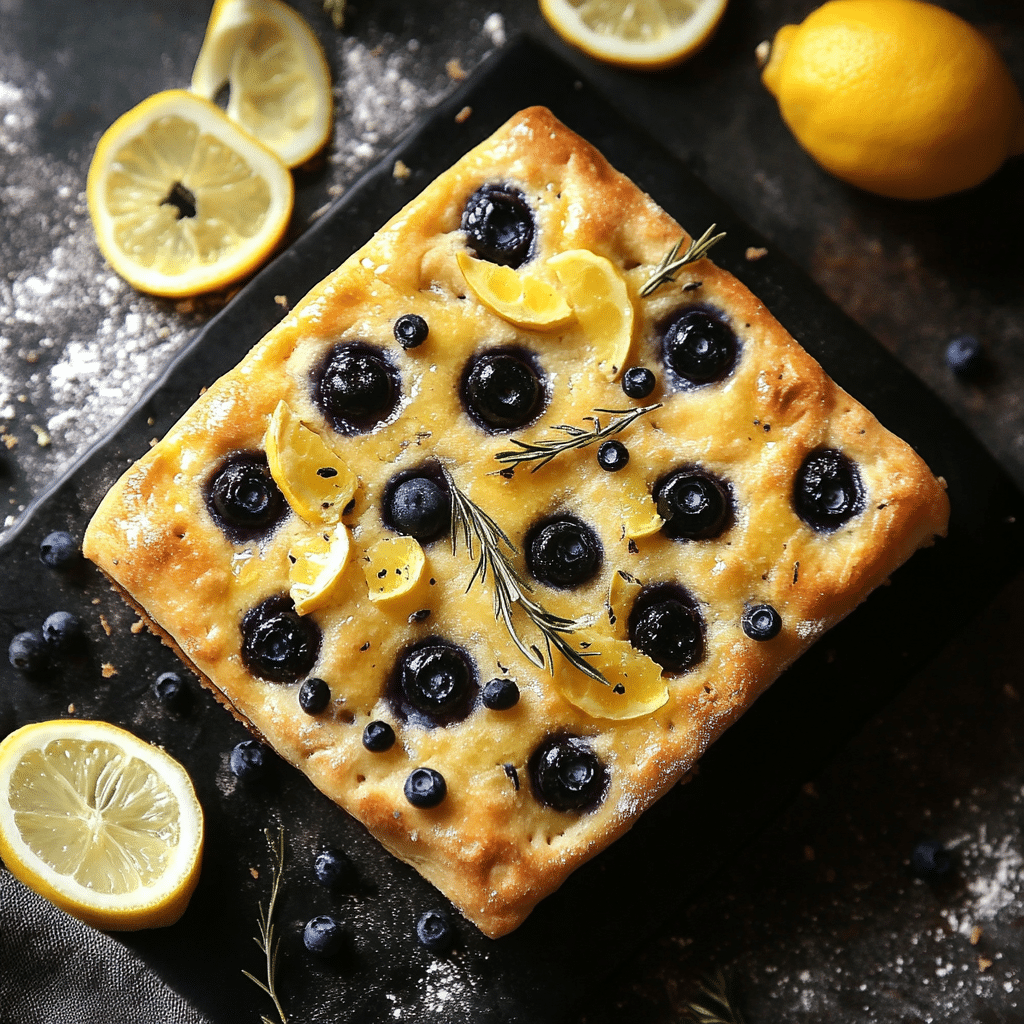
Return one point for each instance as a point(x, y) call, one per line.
point(490, 543)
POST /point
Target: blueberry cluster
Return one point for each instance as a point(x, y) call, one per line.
point(33, 651)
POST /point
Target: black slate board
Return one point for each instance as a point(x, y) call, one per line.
point(585, 932)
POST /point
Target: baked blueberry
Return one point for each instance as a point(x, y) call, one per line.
point(638, 381)
point(563, 552)
point(171, 691)
point(334, 869)
point(425, 787)
point(249, 760)
point(277, 643)
point(436, 931)
point(499, 224)
point(28, 652)
point(63, 631)
point(500, 694)
point(965, 355)
point(695, 504)
point(567, 775)
point(356, 387)
point(666, 625)
point(411, 330)
point(243, 498)
point(502, 389)
point(436, 683)
point(761, 622)
point(59, 550)
point(314, 695)
point(417, 505)
point(323, 936)
point(699, 347)
point(378, 737)
point(827, 490)
point(612, 456)
point(930, 860)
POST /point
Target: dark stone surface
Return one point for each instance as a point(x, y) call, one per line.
point(817, 918)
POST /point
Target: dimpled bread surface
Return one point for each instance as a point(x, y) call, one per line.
point(495, 845)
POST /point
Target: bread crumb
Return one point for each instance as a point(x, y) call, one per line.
point(42, 437)
point(138, 626)
point(105, 625)
point(281, 300)
point(454, 70)
point(108, 670)
point(71, 709)
point(254, 872)
point(463, 115)
point(400, 171)
point(975, 935)
point(984, 963)
point(756, 253)
point(9, 441)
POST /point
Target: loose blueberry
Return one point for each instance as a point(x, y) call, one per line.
point(378, 737)
point(638, 381)
point(436, 679)
point(502, 390)
point(323, 936)
point(243, 498)
point(665, 624)
point(827, 490)
point(612, 456)
point(965, 356)
point(357, 387)
point(761, 622)
point(334, 869)
point(436, 931)
point(411, 330)
point(499, 224)
point(425, 787)
point(171, 691)
point(249, 760)
point(567, 775)
point(418, 506)
point(500, 694)
point(694, 504)
point(699, 347)
point(930, 860)
point(59, 550)
point(63, 631)
point(28, 652)
point(563, 552)
point(314, 695)
point(277, 643)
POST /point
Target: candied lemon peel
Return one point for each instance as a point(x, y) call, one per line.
point(104, 825)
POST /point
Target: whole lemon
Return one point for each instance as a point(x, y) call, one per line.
point(898, 97)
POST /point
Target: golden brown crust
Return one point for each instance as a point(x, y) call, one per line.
point(491, 846)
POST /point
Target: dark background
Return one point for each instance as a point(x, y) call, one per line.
point(817, 918)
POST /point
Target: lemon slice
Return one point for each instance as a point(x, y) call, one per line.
point(641, 34)
point(394, 567)
point(182, 200)
point(522, 299)
point(102, 824)
point(317, 564)
point(599, 298)
point(315, 482)
point(640, 516)
point(279, 81)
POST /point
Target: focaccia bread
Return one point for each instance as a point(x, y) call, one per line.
point(442, 542)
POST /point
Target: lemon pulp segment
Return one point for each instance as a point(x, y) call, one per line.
point(522, 299)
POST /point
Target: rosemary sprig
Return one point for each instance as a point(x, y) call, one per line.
point(665, 271)
point(542, 452)
point(479, 529)
point(717, 1006)
point(266, 940)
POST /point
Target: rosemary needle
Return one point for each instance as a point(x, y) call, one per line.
point(479, 529)
point(672, 262)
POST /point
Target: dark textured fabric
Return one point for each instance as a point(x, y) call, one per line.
point(56, 970)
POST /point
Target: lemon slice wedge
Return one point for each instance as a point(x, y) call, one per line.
point(104, 825)
point(317, 564)
point(600, 300)
point(394, 568)
point(277, 74)
point(522, 299)
point(641, 34)
point(315, 482)
point(182, 200)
